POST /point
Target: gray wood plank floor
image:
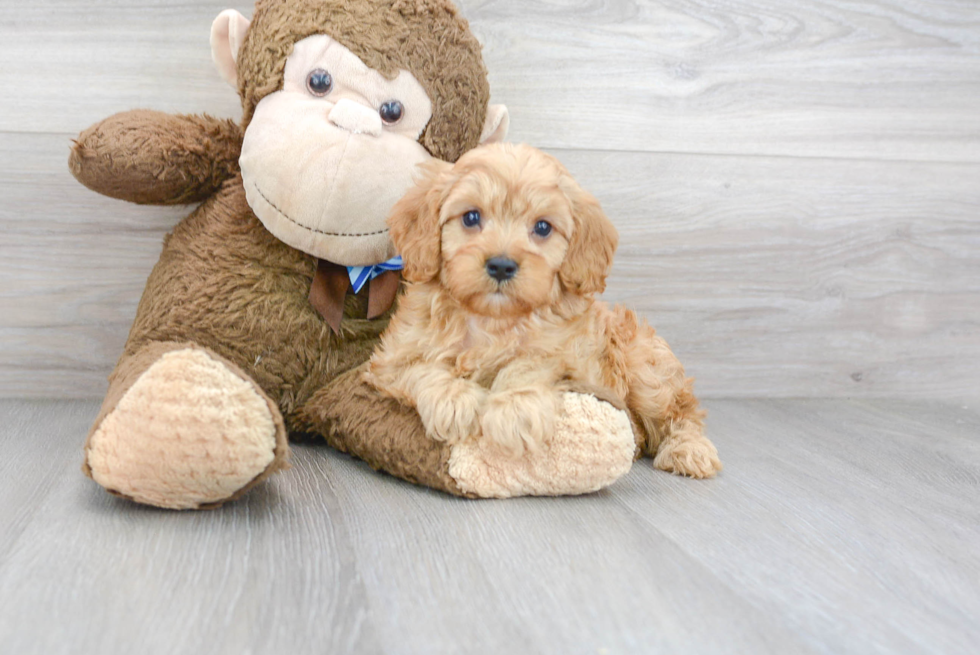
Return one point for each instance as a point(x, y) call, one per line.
point(836, 527)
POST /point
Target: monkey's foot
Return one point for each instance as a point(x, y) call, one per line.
point(591, 447)
point(190, 433)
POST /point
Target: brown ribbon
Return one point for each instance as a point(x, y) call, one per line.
point(330, 285)
point(381, 293)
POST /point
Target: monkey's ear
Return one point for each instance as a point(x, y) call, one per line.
point(414, 223)
point(593, 243)
point(496, 124)
point(227, 35)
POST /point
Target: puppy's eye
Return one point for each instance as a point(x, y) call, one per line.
point(471, 218)
point(391, 112)
point(542, 229)
point(319, 82)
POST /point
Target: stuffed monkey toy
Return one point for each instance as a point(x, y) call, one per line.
point(272, 293)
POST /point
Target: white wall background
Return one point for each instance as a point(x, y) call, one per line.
point(796, 184)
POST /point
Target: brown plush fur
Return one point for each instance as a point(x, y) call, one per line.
point(426, 37)
point(150, 157)
point(488, 358)
point(351, 407)
point(224, 283)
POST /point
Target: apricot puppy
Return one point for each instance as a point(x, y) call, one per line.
point(503, 254)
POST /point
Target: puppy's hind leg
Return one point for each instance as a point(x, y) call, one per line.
point(662, 399)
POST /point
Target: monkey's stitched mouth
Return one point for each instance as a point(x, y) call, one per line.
point(313, 230)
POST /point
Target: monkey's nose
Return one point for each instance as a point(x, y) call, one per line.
point(501, 269)
point(355, 118)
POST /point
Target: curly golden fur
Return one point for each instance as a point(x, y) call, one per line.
point(503, 253)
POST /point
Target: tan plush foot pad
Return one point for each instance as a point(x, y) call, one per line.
point(189, 432)
point(593, 446)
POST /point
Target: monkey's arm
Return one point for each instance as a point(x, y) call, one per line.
point(150, 157)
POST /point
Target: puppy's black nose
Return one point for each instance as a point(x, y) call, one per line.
point(501, 268)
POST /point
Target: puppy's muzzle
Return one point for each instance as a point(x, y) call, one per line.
point(501, 268)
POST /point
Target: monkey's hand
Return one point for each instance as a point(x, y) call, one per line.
point(150, 157)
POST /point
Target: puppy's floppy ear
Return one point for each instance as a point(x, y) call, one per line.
point(593, 243)
point(414, 223)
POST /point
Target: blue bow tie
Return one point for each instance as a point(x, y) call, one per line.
point(361, 275)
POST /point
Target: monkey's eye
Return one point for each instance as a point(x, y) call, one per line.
point(391, 112)
point(471, 218)
point(542, 229)
point(319, 82)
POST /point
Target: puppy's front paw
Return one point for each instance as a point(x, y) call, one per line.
point(693, 456)
point(452, 413)
point(519, 419)
point(591, 446)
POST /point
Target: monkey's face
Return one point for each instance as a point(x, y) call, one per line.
point(325, 158)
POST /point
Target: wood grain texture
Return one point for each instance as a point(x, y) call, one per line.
point(874, 79)
point(87, 573)
point(836, 527)
point(769, 276)
point(78, 62)
point(795, 183)
point(895, 79)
